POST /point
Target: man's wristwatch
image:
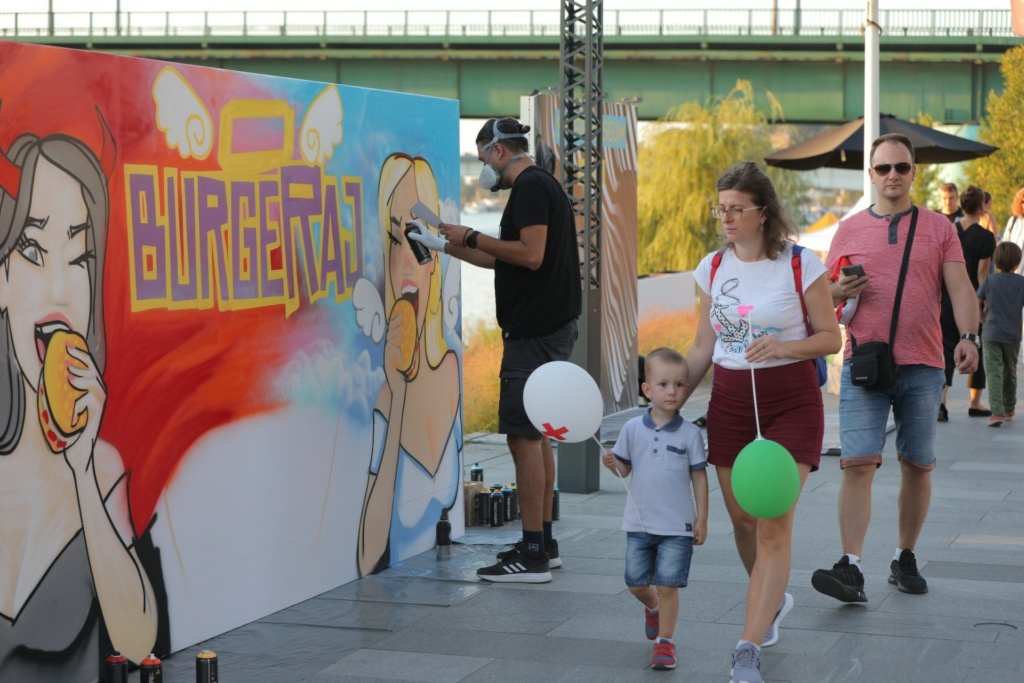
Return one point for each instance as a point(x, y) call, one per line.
point(471, 240)
point(970, 336)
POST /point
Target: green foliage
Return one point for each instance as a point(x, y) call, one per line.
point(925, 191)
point(680, 165)
point(1003, 172)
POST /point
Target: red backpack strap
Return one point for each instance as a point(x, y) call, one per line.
point(798, 281)
point(716, 261)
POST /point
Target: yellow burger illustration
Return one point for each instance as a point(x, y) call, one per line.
point(56, 402)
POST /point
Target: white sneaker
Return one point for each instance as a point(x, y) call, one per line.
point(772, 636)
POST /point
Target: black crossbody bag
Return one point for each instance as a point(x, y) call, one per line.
point(872, 365)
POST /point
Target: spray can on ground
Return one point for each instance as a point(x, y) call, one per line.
point(444, 537)
point(506, 493)
point(483, 507)
point(554, 507)
point(115, 668)
point(497, 509)
point(516, 512)
point(206, 667)
point(476, 473)
point(151, 670)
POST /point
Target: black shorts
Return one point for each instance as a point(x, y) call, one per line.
point(519, 359)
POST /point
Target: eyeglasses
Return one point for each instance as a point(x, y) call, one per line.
point(903, 168)
point(719, 211)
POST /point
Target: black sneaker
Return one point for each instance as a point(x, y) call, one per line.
point(554, 561)
point(905, 576)
point(844, 582)
point(943, 413)
point(517, 568)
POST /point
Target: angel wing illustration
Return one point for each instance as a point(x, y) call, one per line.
point(321, 129)
point(369, 309)
point(181, 115)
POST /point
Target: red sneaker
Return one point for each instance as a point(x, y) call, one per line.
point(652, 623)
point(664, 656)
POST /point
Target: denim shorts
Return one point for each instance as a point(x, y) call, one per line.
point(863, 414)
point(521, 357)
point(657, 560)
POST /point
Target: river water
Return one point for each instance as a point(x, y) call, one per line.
point(478, 283)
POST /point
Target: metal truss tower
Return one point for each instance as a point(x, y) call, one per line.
point(581, 123)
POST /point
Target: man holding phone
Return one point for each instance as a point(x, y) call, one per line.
point(874, 241)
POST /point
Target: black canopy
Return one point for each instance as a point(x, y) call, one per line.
point(843, 147)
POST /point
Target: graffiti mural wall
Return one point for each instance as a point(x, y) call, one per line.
point(227, 384)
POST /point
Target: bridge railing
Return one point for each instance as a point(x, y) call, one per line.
point(499, 23)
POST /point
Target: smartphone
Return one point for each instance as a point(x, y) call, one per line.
point(854, 269)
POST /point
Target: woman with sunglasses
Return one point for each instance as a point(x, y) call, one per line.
point(752, 316)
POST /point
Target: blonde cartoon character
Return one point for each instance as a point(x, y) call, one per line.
point(68, 564)
point(415, 468)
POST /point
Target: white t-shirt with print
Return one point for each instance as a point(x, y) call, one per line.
point(752, 300)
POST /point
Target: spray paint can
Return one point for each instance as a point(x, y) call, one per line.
point(483, 507)
point(476, 473)
point(115, 668)
point(510, 513)
point(497, 509)
point(554, 507)
point(151, 670)
point(206, 667)
point(516, 512)
point(444, 537)
point(421, 253)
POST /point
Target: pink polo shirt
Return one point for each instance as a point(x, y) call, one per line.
point(877, 243)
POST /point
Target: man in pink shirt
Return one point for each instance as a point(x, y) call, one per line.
point(876, 238)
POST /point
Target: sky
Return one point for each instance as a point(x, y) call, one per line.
point(336, 5)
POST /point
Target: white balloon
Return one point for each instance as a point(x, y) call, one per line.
point(563, 402)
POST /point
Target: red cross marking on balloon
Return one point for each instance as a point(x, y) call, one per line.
point(557, 434)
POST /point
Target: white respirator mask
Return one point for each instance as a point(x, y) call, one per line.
point(490, 177)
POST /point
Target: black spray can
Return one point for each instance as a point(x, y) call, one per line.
point(151, 670)
point(115, 668)
point(206, 667)
point(483, 507)
point(516, 513)
point(497, 509)
point(476, 473)
point(444, 537)
point(510, 513)
point(421, 253)
point(554, 507)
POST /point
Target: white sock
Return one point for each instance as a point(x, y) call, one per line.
point(741, 643)
point(659, 639)
point(899, 551)
point(652, 611)
point(855, 561)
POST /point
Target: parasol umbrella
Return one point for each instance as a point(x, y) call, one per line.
point(843, 147)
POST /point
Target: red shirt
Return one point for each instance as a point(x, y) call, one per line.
point(877, 243)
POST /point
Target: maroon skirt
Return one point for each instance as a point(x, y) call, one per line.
point(789, 405)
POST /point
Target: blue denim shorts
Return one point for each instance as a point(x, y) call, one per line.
point(863, 414)
point(657, 560)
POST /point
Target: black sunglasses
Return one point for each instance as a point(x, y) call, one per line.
point(903, 168)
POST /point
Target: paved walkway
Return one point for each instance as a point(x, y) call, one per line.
point(427, 621)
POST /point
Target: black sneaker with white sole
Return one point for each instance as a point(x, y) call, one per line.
point(904, 574)
point(516, 567)
point(554, 561)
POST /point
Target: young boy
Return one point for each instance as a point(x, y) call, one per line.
point(666, 457)
point(1002, 295)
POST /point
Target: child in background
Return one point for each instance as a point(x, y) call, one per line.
point(1002, 296)
point(665, 454)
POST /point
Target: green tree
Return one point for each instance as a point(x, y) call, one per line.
point(680, 164)
point(925, 191)
point(1003, 172)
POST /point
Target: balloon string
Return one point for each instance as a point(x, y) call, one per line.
point(753, 382)
point(625, 486)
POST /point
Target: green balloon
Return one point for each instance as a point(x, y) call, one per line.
point(765, 479)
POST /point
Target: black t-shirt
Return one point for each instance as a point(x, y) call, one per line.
point(534, 303)
point(978, 244)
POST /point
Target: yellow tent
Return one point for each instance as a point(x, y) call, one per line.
point(828, 219)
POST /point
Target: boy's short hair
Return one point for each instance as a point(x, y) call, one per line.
point(1007, 257)
point(664, 355)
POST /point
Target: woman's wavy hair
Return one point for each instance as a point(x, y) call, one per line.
point(778, 227)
